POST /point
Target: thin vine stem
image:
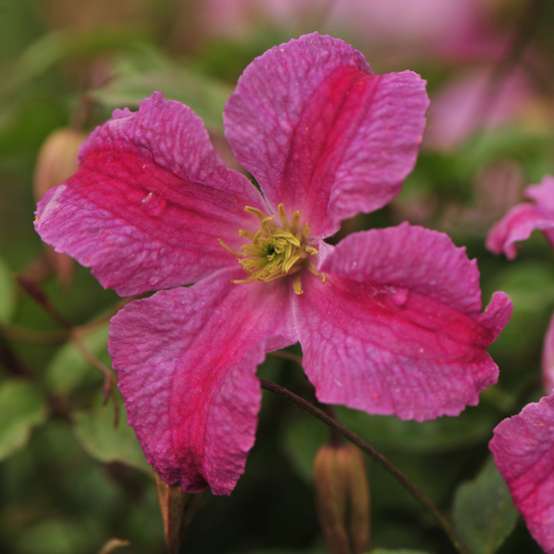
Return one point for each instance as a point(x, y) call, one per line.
point(35, 292)
point(366, 447)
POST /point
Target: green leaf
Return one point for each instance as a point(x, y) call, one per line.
point(55, 47)
point(95, 429)
point(68, 368)
point(22, 408)
point(506, 142)
point(19, 25)
point(484, 514)
point(59, 536)
point(440, 435)
point(7, 293)
point(304, 435)
point(530, 285)
point(138, 76)
point(302, 439)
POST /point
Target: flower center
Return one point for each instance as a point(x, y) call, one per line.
point(276, 249)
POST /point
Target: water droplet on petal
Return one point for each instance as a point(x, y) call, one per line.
point(147, 198)
point(153, 204)
point(399, 296)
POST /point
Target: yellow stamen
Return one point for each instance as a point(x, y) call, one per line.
point(314, 271)
point(277, 249)
point(297, 285)
point(255, 211)
point(228, 248)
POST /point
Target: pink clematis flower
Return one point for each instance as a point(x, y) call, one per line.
point(523, 449)
point(389, 320)
point(523, 219)
point(523, 445)
point(517, 225)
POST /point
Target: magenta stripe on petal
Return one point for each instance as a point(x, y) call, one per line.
point(186, 361)
point(391, 331)
point(321, 133)
point(149, 201)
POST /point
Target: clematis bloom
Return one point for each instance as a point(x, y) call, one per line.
point(517, 225)
point(389, 320)
point(523, 219)
point(523, 445)
point(523, 449)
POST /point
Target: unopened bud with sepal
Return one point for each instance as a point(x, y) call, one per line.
point(342, 491)
point(56, 161)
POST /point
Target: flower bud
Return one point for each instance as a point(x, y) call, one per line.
point(57, 160)
point(358, 495)
point(342, 498)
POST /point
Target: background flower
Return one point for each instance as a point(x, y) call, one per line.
point(523, 445)
point(523, 450)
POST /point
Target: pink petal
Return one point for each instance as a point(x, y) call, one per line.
point(523, 449)
point(148, 202)
point(543, 194)
point(548, 358)
point(517, 225)
point(186, 361)
point(321, 133)
point(397, 328)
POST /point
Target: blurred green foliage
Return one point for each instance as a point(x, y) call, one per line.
point(483, 511)
point(71, 478)
point(23, 408)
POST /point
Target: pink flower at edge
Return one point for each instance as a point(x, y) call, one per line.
point(517, 225)
point(523, 450)
point(523, 445)
point(523, 219)
point(389, 321)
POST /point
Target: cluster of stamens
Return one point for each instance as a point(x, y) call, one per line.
point(276, 249)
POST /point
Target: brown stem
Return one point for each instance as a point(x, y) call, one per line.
point(25, 334)
point(9, 359)
point(418, 494)
point(109, 379)
point(283, 355)
point(34, 290)
point(17, 333)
